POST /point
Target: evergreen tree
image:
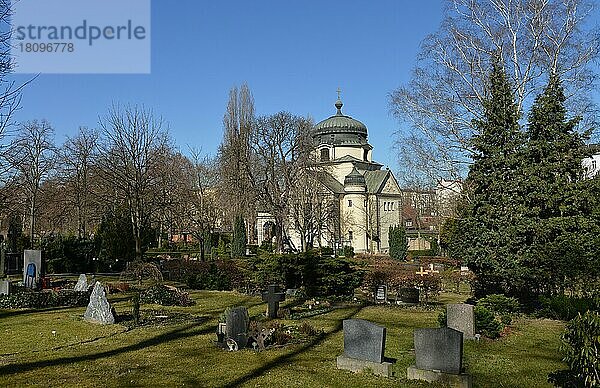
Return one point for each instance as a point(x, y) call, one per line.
point(238, 243)
point(490, 221)
point(556, 223)
point(398, 242)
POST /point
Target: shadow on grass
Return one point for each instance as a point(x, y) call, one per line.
point(176, 334)
point(14, 313)
point(284, 358)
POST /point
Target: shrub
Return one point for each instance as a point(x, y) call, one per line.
point(580, 346)
point(442, 318)
point(326, 251)
point(139, 270)
point(500, 304)
point(564, 307)
point(45, 299)
point(166, 296)
point(348, 252)
point(307, 329)
point(486, 322)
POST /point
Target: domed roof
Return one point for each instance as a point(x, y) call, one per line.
point(340, 124)
point(355, 178)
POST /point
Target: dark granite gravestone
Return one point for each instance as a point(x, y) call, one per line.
point(439, 349)
point(98, 310)
point(364, 346)
point(461, 317)
point(363, 340)
point(273, 297)
point(381, 294)
point(237, 322)
point(82, 284)
point(408, 295)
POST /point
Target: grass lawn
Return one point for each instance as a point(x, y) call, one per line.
point(182, 353)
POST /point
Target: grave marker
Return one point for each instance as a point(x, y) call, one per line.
point(364, 347)
point(32, 267)
point(461, 317)
point(237, 322)
point(438, 354)
point(98, 310)
point(273, 297)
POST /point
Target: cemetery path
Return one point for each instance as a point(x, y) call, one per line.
point(287, 357)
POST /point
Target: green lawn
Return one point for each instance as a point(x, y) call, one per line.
point(182, 353)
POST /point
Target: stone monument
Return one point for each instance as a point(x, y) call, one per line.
point(82, 284)
point(364, 347)
point(273, 297)
point(461, 317)
point(98, 310)
point(438, 355)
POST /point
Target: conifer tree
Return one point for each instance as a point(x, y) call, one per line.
point(238, 243)
point(398, 242)
point(556, 222)
point(489, 224)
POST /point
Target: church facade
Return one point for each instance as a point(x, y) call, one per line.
point(366, 198)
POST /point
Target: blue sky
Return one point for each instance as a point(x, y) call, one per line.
point(293, 55)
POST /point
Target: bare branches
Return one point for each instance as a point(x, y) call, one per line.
point(448, 86)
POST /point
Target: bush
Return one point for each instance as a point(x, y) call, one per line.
point(45, 299)
point(348, 252)
point(442, 319)
point(500, 304)
point(139, 270)
point(486, 322)
point(564, 307)
point(166, 296)
point(580, 346)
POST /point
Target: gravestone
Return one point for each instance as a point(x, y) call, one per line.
point(237, 322)
point(364, 347)
point(82, 284)
point(438, 354)
point(461, 317)
point(408, 295)
point(33, 272)
point(273, 297)
point(5, 287)
point(98, 310)
point(381, 294)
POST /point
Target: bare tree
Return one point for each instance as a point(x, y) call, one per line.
point(281, 151)
point(33, 156)
point(78, 157)
point(533, 37)
point(236, 191)
point(130, 157)
point(204, 210)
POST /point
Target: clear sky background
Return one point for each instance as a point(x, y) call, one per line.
point(293, 55)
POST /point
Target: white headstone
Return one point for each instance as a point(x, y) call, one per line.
point(98, 310)
point(82, 284)
point(32, 256)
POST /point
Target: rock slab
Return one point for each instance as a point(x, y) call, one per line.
point(82, 284)
point(98, 310)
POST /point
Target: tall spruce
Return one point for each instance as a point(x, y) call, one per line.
point(556, 223)
point(238, 243)
point(490, 220)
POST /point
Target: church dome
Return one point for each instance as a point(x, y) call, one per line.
point(355, 178)
point(344, 128)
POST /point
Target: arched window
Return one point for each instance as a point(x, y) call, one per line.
point(324, 154)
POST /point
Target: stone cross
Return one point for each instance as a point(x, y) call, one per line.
point(273, 297)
